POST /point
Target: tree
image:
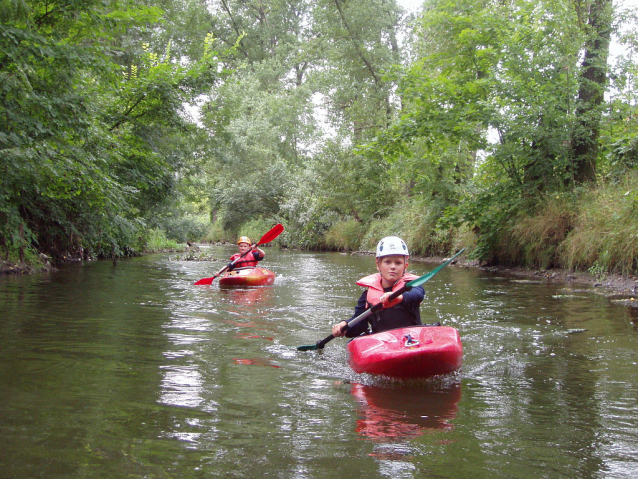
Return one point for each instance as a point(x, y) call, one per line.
point(593, 83)
point(83, 154)
point(293, 59)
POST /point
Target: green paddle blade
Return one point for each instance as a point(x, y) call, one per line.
point(310, 347)
point(426, 277)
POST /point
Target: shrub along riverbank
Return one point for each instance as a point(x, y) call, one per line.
point(591, 231)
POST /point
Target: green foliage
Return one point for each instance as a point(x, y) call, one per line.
point(597, 271)
point(359, 185)
point(183, 227)
point(470, 131)
point(489, 213)
point(589, 228)
point(156, 241)
point(268, 142)
point(87, 111)
point(255, 229)
point(535, 238)
point(216, 233)
point(305, 218)
point(605, 234)
point(31, 259)
point(243, 200)
point(416, 222)
point(345, 235)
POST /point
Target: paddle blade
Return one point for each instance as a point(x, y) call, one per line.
point(426, 277)
point(205, 281)
point(272, 234)
point(319, 345)
point(310, 347)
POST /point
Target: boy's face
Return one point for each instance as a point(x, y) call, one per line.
point(392, 268)
point(243, 247)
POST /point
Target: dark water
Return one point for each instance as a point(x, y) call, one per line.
point(131, 371)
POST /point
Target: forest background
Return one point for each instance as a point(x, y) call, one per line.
point(502, 126)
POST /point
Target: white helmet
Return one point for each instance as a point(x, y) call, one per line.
point(392, 245)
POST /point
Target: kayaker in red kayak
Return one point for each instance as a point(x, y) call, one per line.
point(392, 258)
point(256, 254)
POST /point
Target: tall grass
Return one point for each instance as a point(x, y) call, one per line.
point(415, 221)
point(596, 229)
point(345, 235)
point(535, 240)
point(156, 241)
point(605, 236)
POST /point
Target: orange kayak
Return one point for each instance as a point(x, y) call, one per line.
point(413, 352)
point(251, 276)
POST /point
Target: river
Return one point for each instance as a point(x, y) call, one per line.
point(131, 371)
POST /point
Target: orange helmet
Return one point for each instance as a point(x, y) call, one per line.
point(243, 239)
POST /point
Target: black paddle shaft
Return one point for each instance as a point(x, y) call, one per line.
point(321, 344)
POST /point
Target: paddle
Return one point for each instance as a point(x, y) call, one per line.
point(267, 238)
point(407, 287)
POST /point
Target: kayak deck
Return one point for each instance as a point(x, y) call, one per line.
point(251, 276)
point(412, 352)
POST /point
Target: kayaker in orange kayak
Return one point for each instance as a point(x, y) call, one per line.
point(256, 254)
point(392, 258)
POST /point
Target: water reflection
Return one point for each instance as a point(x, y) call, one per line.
point(131, 371)
point(244, 296)
point(403, 411)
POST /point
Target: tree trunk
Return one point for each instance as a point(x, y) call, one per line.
point(593, 80)
point(22, 242)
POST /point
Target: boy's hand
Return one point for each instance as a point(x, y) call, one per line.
point(384, 300)
point(338, 329)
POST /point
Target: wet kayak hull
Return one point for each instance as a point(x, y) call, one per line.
point(413, 352)
point(248, 277)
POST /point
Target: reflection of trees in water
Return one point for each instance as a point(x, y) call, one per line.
point(387, 414)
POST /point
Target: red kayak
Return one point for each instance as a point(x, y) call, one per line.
point(251, 276)
point(413, 352)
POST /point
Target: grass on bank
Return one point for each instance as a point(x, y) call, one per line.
point(157, 242)
point(595, 231)
point(605, 235)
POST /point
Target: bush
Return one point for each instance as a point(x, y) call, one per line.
point(156, 241)
point(345, 235)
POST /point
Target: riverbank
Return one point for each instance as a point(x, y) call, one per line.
point(609, 284)
point(9, 267)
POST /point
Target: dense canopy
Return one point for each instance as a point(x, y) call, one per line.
point(505, 127)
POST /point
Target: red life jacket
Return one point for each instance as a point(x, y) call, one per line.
point(375, 289)
point(246, 261)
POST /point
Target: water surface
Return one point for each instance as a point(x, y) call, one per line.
point(131, 371)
